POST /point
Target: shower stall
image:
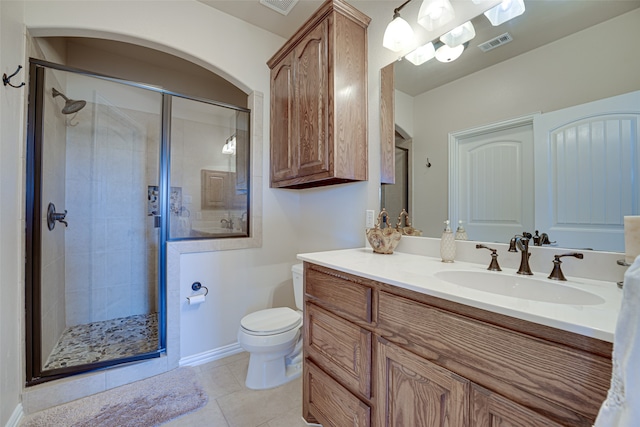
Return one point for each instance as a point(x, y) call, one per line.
point(100, 206)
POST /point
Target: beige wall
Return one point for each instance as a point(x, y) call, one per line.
point(12, 107)
point(596, 63)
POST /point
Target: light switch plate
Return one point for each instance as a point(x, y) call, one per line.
point(371, 218)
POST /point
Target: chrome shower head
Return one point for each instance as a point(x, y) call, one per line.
point(70, 105)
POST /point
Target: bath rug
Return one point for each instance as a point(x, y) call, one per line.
point(146, 403)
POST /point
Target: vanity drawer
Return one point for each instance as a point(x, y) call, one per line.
point(329, 402)
point(341, 348)
point(342, 293)
point(523, 368)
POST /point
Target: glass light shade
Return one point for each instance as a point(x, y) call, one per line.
point(398, 35)
point(447, 54)
point(459, 35)
point(230, 146)
point(435, 13)
point(505, 11)
point(421, 54)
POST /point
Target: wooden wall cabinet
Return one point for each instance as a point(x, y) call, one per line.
point(387, 126)
point(319, 101)
point(379, 355)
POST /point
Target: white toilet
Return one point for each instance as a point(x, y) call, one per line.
point(273, 337)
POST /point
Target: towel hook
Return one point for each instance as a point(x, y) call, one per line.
point(7, 80)
point(428, 163)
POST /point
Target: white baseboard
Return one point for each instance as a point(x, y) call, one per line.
point(211, 355)
point(16, 417)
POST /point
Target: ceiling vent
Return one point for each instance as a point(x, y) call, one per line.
point(495, 42)
point(280, 6)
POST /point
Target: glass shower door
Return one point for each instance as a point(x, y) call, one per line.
point(209, 171)
point(97, 293)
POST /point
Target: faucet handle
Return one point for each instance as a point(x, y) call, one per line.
point(494, 258)
point(556, 273)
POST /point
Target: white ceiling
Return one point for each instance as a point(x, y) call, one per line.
point(543, 22)
point(262, 16)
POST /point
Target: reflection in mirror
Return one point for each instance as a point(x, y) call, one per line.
point(209, 171)
point(550, 65)
point(395, 197)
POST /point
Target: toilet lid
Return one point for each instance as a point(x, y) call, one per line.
point(271, 321)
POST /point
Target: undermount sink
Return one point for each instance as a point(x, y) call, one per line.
point(520, 287)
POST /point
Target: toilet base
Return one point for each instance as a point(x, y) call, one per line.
point(267, 372)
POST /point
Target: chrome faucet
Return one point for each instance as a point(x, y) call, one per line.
point(521, 241)
point(227, 223)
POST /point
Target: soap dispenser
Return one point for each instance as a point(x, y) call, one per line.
point(447, 244)
point(461, 233)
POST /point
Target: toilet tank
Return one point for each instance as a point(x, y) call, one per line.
point(298, 284)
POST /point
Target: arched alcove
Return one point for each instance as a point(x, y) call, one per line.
point(138, 63)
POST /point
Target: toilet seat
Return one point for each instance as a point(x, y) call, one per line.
point(271, 321)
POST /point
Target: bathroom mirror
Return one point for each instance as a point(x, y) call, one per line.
point(562, 54)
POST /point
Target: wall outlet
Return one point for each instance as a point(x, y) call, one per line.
point(371, 218)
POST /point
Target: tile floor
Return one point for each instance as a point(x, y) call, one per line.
point(232, 404)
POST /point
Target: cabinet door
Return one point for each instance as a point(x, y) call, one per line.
point(330, 403)
point(489, 409)
point(311, 102)
point(412, 391)
point(283, 151)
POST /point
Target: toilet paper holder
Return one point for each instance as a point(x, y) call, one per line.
point(196, 286)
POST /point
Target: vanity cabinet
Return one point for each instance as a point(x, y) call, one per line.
point(394, 357)
point(319, 101)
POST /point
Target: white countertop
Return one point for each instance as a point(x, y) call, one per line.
point(418, 273)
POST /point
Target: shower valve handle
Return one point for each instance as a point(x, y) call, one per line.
point(53, 216)
point(60, 217)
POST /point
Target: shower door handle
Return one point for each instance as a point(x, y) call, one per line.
point(53, 216)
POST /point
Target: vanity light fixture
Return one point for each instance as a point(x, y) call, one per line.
point(505, 11)
point(435, 13)
point(445, 53)
point(459, 35)
point(399, 34)
point(229, 146)
point(422, 54)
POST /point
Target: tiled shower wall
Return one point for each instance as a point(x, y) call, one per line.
point(53, 241)
point(111, 246)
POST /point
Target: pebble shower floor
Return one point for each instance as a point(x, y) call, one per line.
point(105, 340)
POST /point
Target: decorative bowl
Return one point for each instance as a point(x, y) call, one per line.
point(407, 230)
point(383, 240)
